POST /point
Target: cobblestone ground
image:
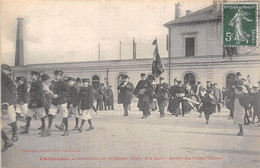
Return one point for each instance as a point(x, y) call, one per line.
point(127, 142)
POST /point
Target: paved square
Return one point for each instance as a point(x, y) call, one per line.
point(119, 141)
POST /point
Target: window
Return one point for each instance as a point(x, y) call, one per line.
point(95, 81)
point(189, 46)
point(229, 80)
point(189, 78)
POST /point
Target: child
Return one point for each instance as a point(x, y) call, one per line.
point(208, 106)
point(86, 99)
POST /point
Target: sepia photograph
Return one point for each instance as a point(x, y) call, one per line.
point(130, 83)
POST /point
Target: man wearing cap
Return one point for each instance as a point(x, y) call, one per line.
point(86, 99)
point(72, 101)
point(78, 84)
point(22, 97)
point(138, 92)
point(59, 102)
point(36, 102)
point(126, 89)
point(7, 102)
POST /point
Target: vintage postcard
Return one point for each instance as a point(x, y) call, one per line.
point(130, 84)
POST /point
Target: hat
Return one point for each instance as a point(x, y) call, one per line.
point(6, 67)
point(142, 74)
point(84, 80)
point(78, 80)
point(150, 77)
point(238, 74)
point(243, 79)
point(175, 79)
point(214, 84)
point(161, 78)
point(45, 77)
point(126, 77)
point(58, 72)
point(35, 73)
point(178, 81)
point(70, 79)
point(208, 82)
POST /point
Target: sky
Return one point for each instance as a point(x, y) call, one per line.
point(70, 31)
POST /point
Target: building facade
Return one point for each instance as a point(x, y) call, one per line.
point(195, 53)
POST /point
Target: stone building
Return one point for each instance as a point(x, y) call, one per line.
point(195, 53)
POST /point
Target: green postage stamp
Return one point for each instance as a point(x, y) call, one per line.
point(240, 24)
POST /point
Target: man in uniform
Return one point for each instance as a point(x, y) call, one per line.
point(138, 92)
point(72, 101)
point(59, 102)
point(86, 99)
point(36, 102)
point(126, 89)
point(7, 103)
point(22, 97)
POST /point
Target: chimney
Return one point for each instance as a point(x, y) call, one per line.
point(19, 57)
point(134, 49)
point(188, 12)
point(177, 10)
point(216, 5)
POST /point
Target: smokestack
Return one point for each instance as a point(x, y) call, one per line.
point(188, 12)
point(177, 10)
point(19, 54)
point(134, 49)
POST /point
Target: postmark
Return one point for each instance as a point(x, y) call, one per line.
point(239, 24)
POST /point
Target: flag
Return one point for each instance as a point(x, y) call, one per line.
point(229, 51)
point(157, 66)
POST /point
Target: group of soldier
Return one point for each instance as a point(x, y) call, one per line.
point(45, 98)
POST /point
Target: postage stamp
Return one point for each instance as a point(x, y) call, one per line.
point(239, 24)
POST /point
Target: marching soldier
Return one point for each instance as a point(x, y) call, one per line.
point(126, 89)
point(86, 99)
point(7, 103)
point(59, 102)
point(72, 101)
point(36, 102)
point(22, 97)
